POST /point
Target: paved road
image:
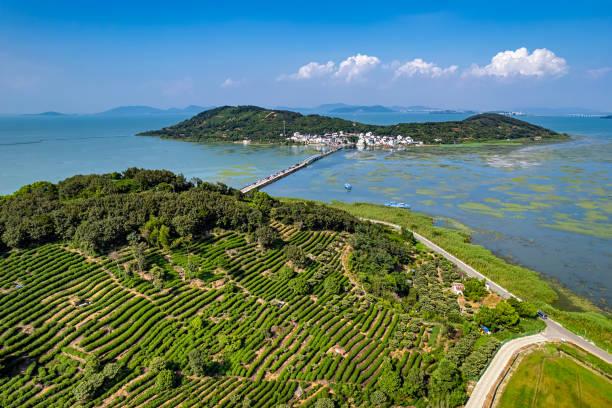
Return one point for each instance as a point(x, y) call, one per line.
point(554, 331)
point(497, 367)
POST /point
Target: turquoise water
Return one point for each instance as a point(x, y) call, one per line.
point(52, 148)
point(547, 207)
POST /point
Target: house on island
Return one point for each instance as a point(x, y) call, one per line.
point(458, 288)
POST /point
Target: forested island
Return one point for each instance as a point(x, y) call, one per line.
point(142, 288)
point(237, 123)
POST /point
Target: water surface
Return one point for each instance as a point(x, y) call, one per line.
point(547, 207)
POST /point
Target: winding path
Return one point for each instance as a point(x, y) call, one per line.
point(554, 331)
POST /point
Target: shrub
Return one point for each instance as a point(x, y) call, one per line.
point(157, 364)
point(164, 380)
point(378, 397)
point(324, 403)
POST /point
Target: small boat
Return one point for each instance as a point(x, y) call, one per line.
point(397, 205)
point(348, 187)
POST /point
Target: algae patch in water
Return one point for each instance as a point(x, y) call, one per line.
point(428, 203)
point(542, 188)
point(237, 171)
point(482, 209)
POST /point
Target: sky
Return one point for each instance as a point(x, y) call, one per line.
point(89, 56)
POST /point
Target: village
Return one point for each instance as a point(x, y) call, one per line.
point(363, 139)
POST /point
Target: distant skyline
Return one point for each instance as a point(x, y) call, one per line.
point(87, 57)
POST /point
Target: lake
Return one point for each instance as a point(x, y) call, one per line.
point(547, 207)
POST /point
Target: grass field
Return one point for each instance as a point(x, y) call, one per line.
point(548, 378)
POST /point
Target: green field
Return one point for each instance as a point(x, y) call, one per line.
point(546, 378)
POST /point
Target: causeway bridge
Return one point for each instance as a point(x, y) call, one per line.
point(283, 173)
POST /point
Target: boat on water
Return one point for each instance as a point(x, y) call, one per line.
point(348, 187)
point(397, 205)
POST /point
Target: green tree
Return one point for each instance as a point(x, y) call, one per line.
point(378, 398)
point(198, 362)
point(486, 317)
point(389, 380)
point(191, 270)
point(524, 309)
point(267, 236)
point(83, 390)
point(158, 272)
point(296, 255)
point(138, 251)
point(299, 286)
point(164, 380)
point(92, 365)
point(111, 370)
point(196, 323)
point(157, 364)
point(285, 273)
point(445, 378)
point(158, 284)
point(324, 403)
point(506, 314)
point(332, 285)
point(414, 383)
point(475, 289)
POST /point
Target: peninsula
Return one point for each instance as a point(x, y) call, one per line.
point(260, 125)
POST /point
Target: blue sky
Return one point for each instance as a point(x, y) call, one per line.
point(90, 56)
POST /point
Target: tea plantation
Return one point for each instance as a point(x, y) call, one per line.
point(231, 319)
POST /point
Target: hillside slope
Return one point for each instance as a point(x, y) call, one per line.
point(140, 289)
point(234, 123)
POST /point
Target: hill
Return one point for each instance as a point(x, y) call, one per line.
point(143, 289)
point(49, 113)
point(234, 123)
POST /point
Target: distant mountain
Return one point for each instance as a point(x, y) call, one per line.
point(235, 123)
point(148, 110)
point(607, 117)
point(49, 113)
point(362, 109)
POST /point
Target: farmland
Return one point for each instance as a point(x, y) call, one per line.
point(543, 373)
point(311, 309)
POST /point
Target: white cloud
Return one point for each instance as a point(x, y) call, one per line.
point(229, 82)
point(598, 72)
point(353, 68)
point(419, 67)
point(541, 62)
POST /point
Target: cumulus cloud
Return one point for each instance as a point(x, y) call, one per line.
point(311, 70)
point(540, 63)
point(422, 68)
point(355, 67)
point(351, 69)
